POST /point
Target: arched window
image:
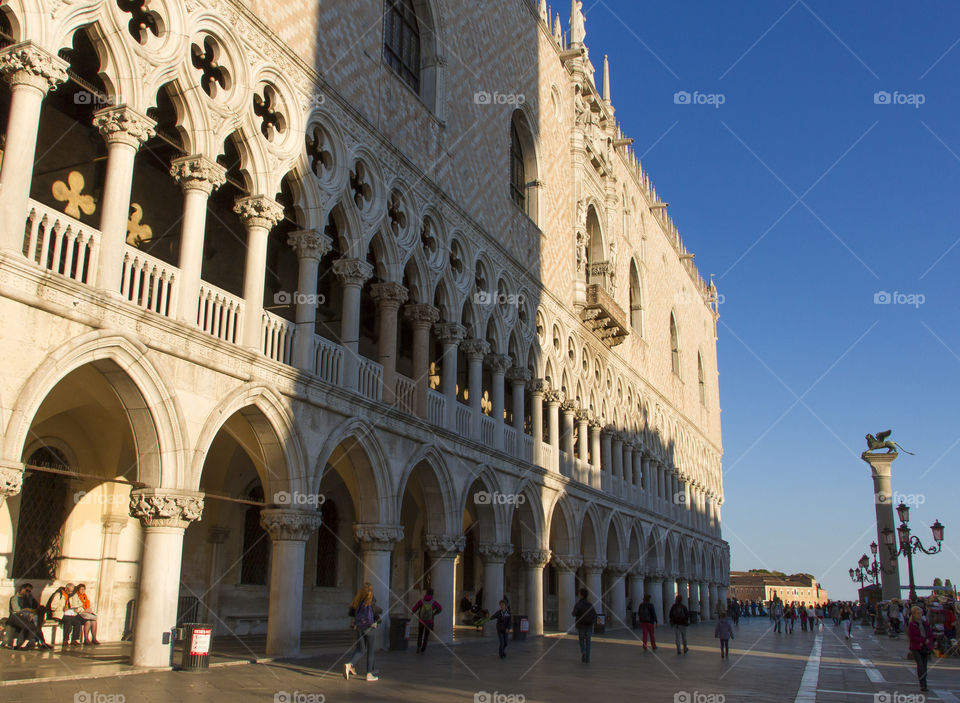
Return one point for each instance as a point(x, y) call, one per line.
point(700, 381)
point(523, 166)
point(43, 510)
point(255, 557)
point(636, 300)
point(518, 180)
point(674, 345)
point(401, 41)
point(327, 545)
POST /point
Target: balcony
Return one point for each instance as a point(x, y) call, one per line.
point(604, 317)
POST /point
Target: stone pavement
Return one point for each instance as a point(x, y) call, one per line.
point(763, 666)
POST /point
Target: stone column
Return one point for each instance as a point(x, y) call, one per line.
point(258, 214)
point(881, 466)
point(389, 297)
point(310, 247)
point(637, 588)
point(715, 599)
point(638, 469)
point(534, 561)
point(475, 349)
point(566, 566)
point(376, 543)
point(569, 409)
point(498, 365)
point(537, 388)
point(289, 531)
point(494, 555)
point(216, 536)
point(607, 457)
point(31, 73)
point(583, 422)
point(628, 464)
point(353, 273)
point(693, 599)
point(616, 453)
point(112, 525)
point(553, 399)
point(654, 586)
point(164, 515)
point(595, 459)
point(722, 595)
point(198, 177)
point(450, 335)
point(706, 607)
point(669, 596)
point(618, 596)
point(421, 317)
point(648, 482)
point(683, 590)
point(124, 130)
point(443, 550)
point(518, 377)
point(594, 569)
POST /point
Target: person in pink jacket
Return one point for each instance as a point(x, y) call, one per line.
point(921, 643)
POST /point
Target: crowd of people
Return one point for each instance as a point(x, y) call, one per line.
point(68, 606)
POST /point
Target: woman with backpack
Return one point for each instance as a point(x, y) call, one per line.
point(425, 609)
point(366, 618)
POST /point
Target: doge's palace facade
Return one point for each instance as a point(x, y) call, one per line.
point(297, 295)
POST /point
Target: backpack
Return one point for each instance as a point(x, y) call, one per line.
point(426, 611)
point(587, 616)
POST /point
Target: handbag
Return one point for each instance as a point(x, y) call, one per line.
point(87, 615)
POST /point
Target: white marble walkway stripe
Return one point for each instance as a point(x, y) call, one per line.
point(811, 674)
point(872, 673)
point(945, 696)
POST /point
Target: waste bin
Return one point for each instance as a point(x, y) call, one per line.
point(522, 627)
point(196, 646)
point(399, 632)
point(600, 626)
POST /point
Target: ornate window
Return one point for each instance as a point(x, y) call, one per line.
point(636, 299)
point(327, 545)
point(401, 41)
point(255, 558)
point(524, 178)
point(518, 180)
point(674, 345)
point(700, 381)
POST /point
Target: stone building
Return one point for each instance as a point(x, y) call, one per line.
point(765, 587)
point(297, 295)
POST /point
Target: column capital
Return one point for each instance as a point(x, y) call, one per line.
point(498, 363)
point(538, 385)
point(596, 424)
point(121, 124)
point(582, 414)
point(310, 244)
point(198, 173)
point(535, 558)
point(569, 405)
point(163, 507)
point(475, 348)
point(566, 562)
point(285, 525)
point(450, 332)
point(258, 211)
point(638, 571)
point(594, 565)
point(11, 479)
point(618, 568)
point(444, 546)
point(553, 397)
point(28, 64)
point(495, 552)
point(518, 374)
point(352, 272)
point(377, 536)
point(420, 314)
point(388, 294)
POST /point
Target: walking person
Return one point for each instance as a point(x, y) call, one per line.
point(584, 616)
point(366, 618)
point(503, 618)
point(724, 632)
point(680, 618)
point(776, 614)
point(425, 609)
point(846, 619)
point(835, 614)
point(803, 617)
point(789, 617)
point(921, 643)
point(647, 616)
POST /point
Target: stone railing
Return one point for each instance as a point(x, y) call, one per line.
point(276, 337)
point(436, 408)
point(148, 282)
point(61, 244)
point(329, 359)
point(219, 313)
point(405, 391)
point(370, 378)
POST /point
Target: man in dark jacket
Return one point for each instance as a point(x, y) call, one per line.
point(503, 619)
point(584, 616)
point(647, 616)
point(680, 618)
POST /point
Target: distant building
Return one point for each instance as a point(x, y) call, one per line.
point(760, 586)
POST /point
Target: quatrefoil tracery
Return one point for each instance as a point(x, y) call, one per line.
point(213, 76)
point(142, 22)
point(320, 152)
point(272, 121)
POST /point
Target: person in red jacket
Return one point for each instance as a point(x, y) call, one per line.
point(921, 643)
point(425, 610)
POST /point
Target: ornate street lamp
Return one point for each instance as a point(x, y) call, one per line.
point(910, 544)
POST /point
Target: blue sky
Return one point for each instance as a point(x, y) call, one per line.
point(807, 198)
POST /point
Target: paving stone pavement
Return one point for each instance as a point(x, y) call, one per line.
point(763, 666)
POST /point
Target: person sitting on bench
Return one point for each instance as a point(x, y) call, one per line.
point(25, 618)
point(63, 607)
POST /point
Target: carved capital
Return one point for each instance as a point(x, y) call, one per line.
point(475, 348)
point(596, 424)
point(441, 546)
point(594, 565)
point(161, 507)
point(553, 397)
point(389, 294)
point(113, 524)
point(535, 558)
point(495, 552)
point(198, 173)
point(566, 562)
point(449, 332)
point(121, 124)
point(258, 211)
point(289, 525)
point(11, 479)
point(582, 415)
point(421, 315)
point(309, 244)
point(569, 405)
point(618, 568)
point(518, 374)
point(352, 272)
point(378, 537)
point(638, 571)
point(538, 386)
point(498, 363)
point(27, 64)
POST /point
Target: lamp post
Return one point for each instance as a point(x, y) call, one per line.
point(910, 544)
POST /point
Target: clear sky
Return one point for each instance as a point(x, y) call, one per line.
point(828, 175)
